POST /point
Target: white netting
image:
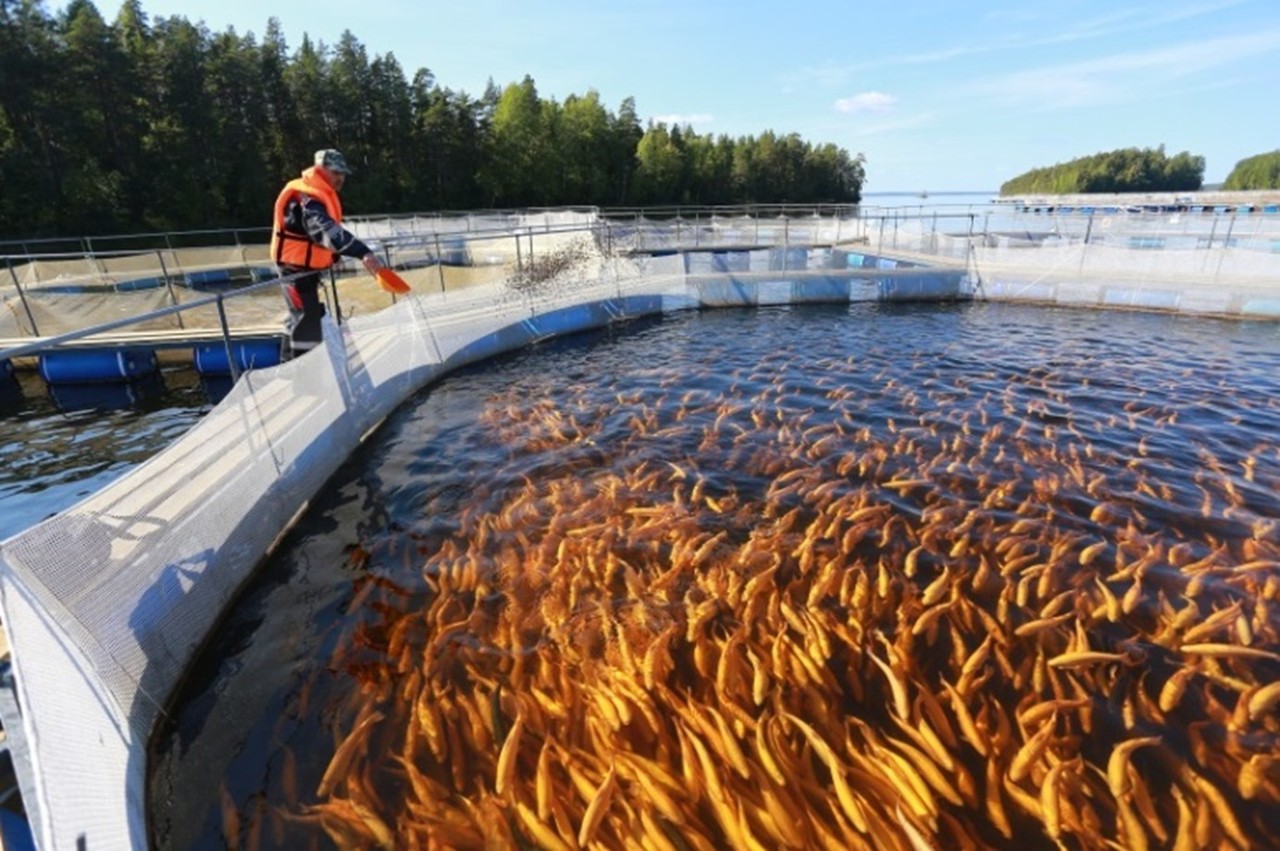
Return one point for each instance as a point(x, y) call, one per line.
point(107, 602)
point(1176, 261)
point(65, 294)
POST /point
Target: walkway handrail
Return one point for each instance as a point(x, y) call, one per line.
point(526, 231)
point(45, 343)
point(218, 299)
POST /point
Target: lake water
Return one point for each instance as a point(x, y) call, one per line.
point(635, 582)
point(59, 446)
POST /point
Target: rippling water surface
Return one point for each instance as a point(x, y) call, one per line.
point(852, 576)
point(59, 446)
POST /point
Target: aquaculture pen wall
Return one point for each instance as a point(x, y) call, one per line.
point(106, 603)
point(1189, 263)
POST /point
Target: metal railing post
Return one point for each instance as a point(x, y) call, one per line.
point(35, 332)
point(226, 342)
point(519, 254)
point(333, 288)
point(93, 259)
point(440, 260)
point(786, 242)
point(173, 296)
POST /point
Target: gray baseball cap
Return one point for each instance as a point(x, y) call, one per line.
point(333, 160)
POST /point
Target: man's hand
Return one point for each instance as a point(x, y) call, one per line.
point(371, 263)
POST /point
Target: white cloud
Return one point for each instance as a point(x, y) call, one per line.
point(866, 102)
point(676, 119)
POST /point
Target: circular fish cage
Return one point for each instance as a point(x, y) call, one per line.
point(883, 576)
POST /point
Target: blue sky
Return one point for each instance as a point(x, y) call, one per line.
point(937, 95)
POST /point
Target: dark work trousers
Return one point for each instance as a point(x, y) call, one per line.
point(305, 307)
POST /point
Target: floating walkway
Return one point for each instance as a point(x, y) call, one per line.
point(126, 355)
point(1265, 202)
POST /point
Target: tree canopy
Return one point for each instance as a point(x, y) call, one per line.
point(1257, 172)
point(154, 124)
point(1123, 170)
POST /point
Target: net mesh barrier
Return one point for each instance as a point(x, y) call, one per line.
point(106, 603)
point(58, 294)
point(1180, 261)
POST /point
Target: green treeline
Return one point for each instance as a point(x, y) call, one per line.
point(1256, 172)
point(1124, 170)
point(150, 125)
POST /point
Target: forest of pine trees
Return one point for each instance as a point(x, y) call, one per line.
point(1257, 172)
point(162, 124)
point(1124, 170)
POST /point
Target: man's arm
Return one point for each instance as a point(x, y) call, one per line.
point(325, 232)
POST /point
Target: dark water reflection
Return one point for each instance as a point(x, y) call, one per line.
point(1175, 417)
point(61, 444)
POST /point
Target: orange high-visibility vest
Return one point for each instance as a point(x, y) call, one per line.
point(295, 249)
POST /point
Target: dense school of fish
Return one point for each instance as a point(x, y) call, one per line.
point(769, 617)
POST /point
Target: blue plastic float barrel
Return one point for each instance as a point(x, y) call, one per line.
point(790, 259)
point(106, 396)
point(731, 261)
point(16, 831)
point(211, 358)
point(140, 284)
point(208, 279)
point(71, 366)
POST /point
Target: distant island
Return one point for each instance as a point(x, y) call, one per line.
point(1257, 172)
point(1123, 170)
point(1143, 170)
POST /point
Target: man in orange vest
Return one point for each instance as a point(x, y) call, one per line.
point(307, 236)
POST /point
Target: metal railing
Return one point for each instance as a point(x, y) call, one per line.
point(464, 220)
point(936, 232)
point(634, 232)
point(218, 300)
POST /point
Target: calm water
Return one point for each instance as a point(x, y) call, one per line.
point(1174, 417)
point(58, 446)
